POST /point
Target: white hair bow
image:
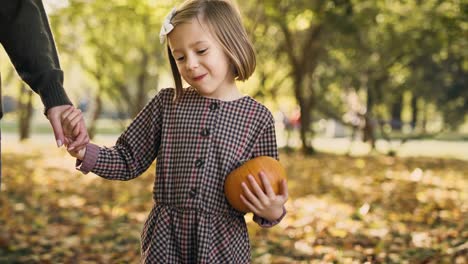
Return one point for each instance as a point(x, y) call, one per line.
point(167, 27)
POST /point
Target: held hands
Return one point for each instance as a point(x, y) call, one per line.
point(73, 124)
point(77, 139)
point(266, 204)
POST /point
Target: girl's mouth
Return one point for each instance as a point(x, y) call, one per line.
point(198, 78)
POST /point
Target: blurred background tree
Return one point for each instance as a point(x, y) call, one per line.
point(389, 53)
point(117, 45)
point(383, 70)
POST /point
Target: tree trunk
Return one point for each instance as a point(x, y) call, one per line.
point(306, 120)
point(305, 110)
point(368, 129)
point(309, 101)
point(424, 118)
point(303, 66)
point(25, 112)
point(140, 99)
point(414, 112)
point(96, 113)
point(397, 106)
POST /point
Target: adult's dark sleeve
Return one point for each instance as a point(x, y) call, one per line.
point(26, 36)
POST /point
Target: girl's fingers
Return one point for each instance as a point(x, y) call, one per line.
point(248, 204)
point(75, 120)
point(73, 125)
point(79, 154)
point(68, 119)
point(256, 188)
point(70, 122)
point(267, 185)
point(67, 140)
point(73, 115)
point(66, 113)
point(76, 130)
point(250, 196)
point(81, 137)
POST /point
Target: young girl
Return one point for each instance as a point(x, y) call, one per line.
point(198, 134)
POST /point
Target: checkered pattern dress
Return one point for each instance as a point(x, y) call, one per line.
point(197, 142)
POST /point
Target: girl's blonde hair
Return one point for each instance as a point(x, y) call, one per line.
point(224, 21)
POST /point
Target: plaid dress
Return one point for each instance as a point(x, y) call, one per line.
point(197, 142)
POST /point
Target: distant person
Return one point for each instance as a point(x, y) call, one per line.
point(287, 127)
point(198, 134)
point(25, 34)
point(295, 119)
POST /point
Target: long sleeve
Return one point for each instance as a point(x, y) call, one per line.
point(135, 149)
point(266, 143)
point(266, 146)
point(26, 36)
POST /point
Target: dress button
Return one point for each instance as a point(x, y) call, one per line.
point(205, 132)
point(193, 192)
point(199, 163)
point(214, 106)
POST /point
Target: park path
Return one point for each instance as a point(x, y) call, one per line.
point(423, 148)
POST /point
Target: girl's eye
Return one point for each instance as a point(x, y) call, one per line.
point(179, 58)
point(202, 51)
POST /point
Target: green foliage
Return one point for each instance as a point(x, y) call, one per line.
point(117, 45)
point(383, 48)
point(316, 52)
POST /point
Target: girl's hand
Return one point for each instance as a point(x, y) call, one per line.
point(79, 154)
point(266, 204)
point(70, 119)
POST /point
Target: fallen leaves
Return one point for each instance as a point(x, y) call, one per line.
point(342, 210)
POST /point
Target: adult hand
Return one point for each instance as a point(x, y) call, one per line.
point(81, 137)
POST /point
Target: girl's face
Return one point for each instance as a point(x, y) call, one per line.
point(201, 60)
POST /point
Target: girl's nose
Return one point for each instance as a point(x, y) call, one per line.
point(192, 63)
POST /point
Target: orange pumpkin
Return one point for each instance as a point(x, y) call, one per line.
point(232, 185)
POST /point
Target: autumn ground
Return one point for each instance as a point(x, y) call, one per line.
point(373, 209)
